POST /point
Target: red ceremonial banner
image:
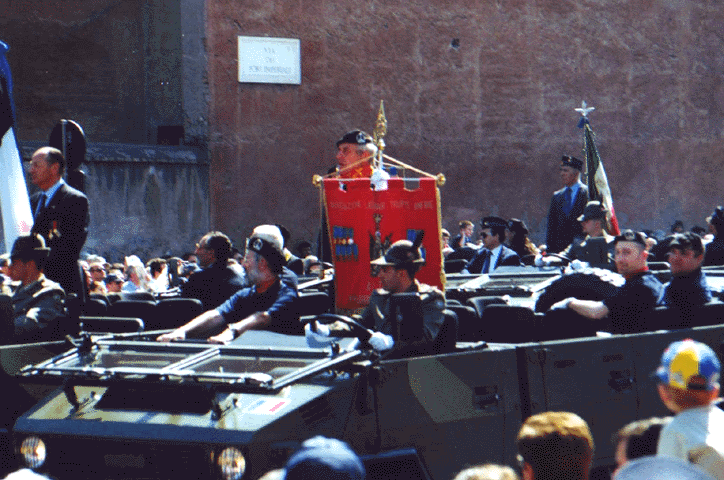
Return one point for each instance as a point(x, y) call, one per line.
point(363, 223)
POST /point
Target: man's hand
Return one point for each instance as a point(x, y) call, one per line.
point(381, 342)
point(562, 305)
point(172, 336)
point(223, 338)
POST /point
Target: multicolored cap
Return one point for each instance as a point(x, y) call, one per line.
point(689, 365)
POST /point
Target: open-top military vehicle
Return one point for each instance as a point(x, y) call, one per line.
point(129, 407)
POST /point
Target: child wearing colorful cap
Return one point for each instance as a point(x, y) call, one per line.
point(689, 386)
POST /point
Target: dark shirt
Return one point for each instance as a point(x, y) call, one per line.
point(213, 285)
point(686, 291)
point(714, 252)
point(631, 304)
point(279, 302)
point(564, 227)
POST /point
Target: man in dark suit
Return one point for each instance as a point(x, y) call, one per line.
point(493, 254)
point(60, 214)
point(216, 282)
point(567, 205)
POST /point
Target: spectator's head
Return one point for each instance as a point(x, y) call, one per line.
point(353, 147)
point(27, 258)
point(324, 458)
point(630, 252)
point(466, 228)
point(659, 467)
point(688, 375)
point(5, 264)
point(445, 236)
point(156, 266)
point(638, 439)
point(97, 270)
point(570, 170)
point(677, 227)
point(716, 221)
point(685, 253)
point(399, 265)
point(114, 283)
point(556, 446)
point(488, 471)
point(213, 247)
point(47, 166)
point(493, 231)
point(264, 254)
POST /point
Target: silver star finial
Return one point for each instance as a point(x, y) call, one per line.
point(584, 110)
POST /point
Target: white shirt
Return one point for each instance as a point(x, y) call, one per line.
point(696, 435)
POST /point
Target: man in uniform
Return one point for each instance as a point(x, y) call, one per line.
point(354, 147)
point(638, 296)
point(567, 205)
point(60, 215)
point(688, 287)
point(37, 302)
point(216, 282)
point(268, 304)
point(493, 254)
point(597, 248)
point(715, 249)
point(398, 267)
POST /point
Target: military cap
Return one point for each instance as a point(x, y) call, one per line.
point(631, 236)
point(322, 457)
point(400, 254)
point(492, 222)
point(29, 247)
point(573, 162)
point(686, 241)
point(356, 137)
point(717, 218)
point(517, 226)
point(593, 211)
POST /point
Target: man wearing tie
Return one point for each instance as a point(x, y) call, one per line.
point(493, 254)
point(567, 205)
point(60, 215)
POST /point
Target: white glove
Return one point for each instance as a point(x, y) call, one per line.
point(321, 335)
point(381, 342)
point(538, 262)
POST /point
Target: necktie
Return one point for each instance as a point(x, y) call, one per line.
point(568, 200)
point(41, 205)
point(486, 265)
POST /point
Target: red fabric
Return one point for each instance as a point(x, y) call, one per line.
point(363, 223)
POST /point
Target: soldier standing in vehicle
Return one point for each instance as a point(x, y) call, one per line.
point(398, 267)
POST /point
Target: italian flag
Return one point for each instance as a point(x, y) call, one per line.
point(597, 182)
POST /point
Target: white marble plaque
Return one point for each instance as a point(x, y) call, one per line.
point(270, 60)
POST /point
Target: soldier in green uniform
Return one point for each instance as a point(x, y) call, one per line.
point(398, 267)
point(37, 302)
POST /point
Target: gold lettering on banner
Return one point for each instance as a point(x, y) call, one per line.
point(426, 205)
point(400, 204)
point(376, 206)
point(345, 205)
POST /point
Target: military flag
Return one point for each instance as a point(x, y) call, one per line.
point(598, 188)
point(14, 200)
point(363, 223)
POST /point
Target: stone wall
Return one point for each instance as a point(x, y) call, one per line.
point(482, 91)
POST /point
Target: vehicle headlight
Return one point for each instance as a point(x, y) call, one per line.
point(231, 464)
point(33, 451)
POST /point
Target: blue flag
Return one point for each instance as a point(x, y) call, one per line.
point(14, 201)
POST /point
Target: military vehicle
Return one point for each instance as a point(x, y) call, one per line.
point(129, 407)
